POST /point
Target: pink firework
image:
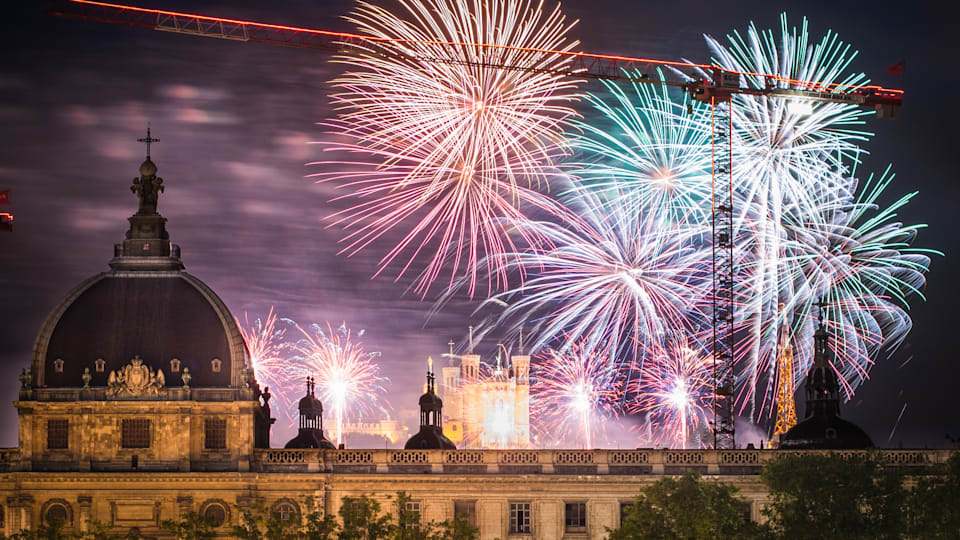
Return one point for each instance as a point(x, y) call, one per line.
point(265, 343)
point(575, 389)
point(675, 391)
point(440, 141)
point(348, 379)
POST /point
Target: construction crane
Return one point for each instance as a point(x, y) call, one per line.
point(707, 83)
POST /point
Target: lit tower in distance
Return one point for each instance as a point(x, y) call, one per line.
point(521, 409)
point(469, 386)
point(786, 408)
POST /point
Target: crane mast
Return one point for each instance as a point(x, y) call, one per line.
point(707, 83)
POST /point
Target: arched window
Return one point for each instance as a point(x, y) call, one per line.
point(57, 511)
point(215, 365)
point(175, 365)
point(285, 510)
point(216, 511)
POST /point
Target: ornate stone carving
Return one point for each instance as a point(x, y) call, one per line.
point(135, 379)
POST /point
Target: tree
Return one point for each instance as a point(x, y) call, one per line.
point(686, 508)
point(818, 496)
point(459, 528)
point(361, 520)
point(190, 526)
point(934, 503)
point(256, 523)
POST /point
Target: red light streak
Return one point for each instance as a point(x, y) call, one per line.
point(833, 87)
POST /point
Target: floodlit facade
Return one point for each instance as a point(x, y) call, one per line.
point(139, 406)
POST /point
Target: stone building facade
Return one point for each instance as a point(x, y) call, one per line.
point(139, 406)
point(508, 494)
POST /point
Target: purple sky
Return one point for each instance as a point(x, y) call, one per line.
point(234, 121)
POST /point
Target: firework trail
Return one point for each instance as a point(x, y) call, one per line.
point(574, 392)
point(650, 147)
point(265, 344)
point(861, 264)
point(613, 279)
point(675, 391)
point(788, 166)
point(438, 141)
point(348, 378)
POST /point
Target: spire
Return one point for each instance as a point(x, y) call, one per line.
point(822, 386)
point(820, 338)
point(786, 406)
point(520, 346)
point(148, 186)
point(430, 378)
point(147, 245)
point(470, 342)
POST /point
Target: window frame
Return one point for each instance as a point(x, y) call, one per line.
point(214, 425)
point(471, 514)
point(581, 526)
point(518, 524)
point(65, 423)
point(413, 505)
point(132, 422)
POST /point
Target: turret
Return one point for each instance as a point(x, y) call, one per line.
point(431, 434)
point(310, 434)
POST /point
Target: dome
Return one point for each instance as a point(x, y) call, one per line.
point(309, 405)
point(827, 433)
point(310, 438)
point(158, 316)
point(429, 438)
point(430, 401)
point(148, 168)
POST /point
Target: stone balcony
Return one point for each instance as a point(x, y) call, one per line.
point(557, 462)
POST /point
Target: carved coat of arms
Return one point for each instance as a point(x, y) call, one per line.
point(135, 379)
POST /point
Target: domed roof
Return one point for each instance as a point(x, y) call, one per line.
point(429, 438)
point(825, 432)
point(430, 400)
point(309, 405)
point(823, 428)
point(158, 316)
point(310, 438)
point(145, 307)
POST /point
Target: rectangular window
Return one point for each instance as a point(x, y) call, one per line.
point(575, 517)
point(746, 510)
point(466, 510)
point(625, 508)
point(411, 517)
point(135, 433)
point(215, 433)
point(58, 433)
point(520, 518)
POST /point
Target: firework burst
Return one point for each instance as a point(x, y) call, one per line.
point(614, 279)
point(648, 147)
point(788, 166)
point(348, 378)
point(265, 344)
point(574, 392)
point(441, 139)
point(675, 391)
point(864, 268)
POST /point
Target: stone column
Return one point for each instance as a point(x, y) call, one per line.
point(83, 517)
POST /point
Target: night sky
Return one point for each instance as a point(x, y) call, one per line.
point(234, 121)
